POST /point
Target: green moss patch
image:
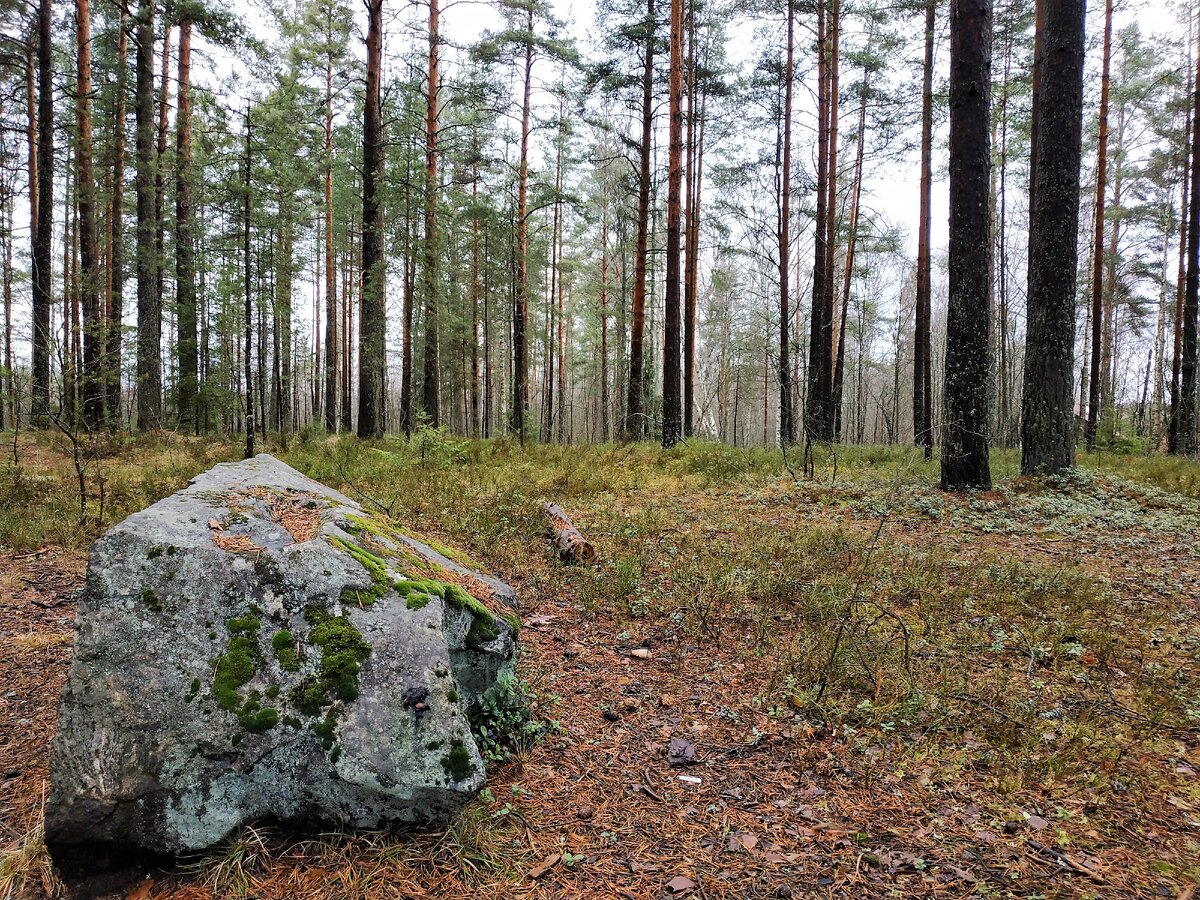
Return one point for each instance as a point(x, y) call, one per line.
point(234, 669)
point(151, 601)
point(457, 763)
point(284, 645)
point(343, 650)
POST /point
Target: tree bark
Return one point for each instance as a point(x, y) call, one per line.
point(43, 220)
point(635, 421)
point(116, 298)
point(372, 322)
point(331, 311)
point(185, 260)
point(818, 425)
point(1048, 420)
point(787, 421)
point(1185, 429)
point(570, 543)
point(93, 325)
point(160, 172)
point(672, 408)
point(520, 396)
point(149, 312)
point(968, 318)
point(1094, 398)
point(430, 396)
point(922, 349)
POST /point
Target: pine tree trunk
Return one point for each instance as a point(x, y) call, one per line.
point(1048, 420)
point(520, 386)
point(817, 425)
point(116, 298)
point(43, 220)
point(787, 421)
point(968, 318)
point(331, 312)
point(922, 345)
point(672, 408)
point(185, 248)
point(430, 400)
point(160, 172)
point(149, 309)
point(1094, 398)
point(635, 420)
point(691, 176)
point(1185, 429)
point(93, 326)
point(248, 318)
point(372, 322)
point(839, 360)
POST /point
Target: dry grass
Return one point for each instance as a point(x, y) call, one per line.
point(891, 692)
point(41, 640)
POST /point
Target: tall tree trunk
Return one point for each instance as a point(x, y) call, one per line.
point(185, 249)
point(520, 397)
point(604, 396)
point(430, 399)
point(1094, 396)
point(839, 359)
point(1181, 277)
point(831, 210)
point(474, 428)
point(1048, 420)
point(635, 420)
point(149, 363)
point(93, 326)
point(248, 309)
point(331, 312)
point(116, 298)
point(410, 285)
point(689, 274)
point(160, 173)
point(43, 219)
point(1185, 429)
point(787, 421)
point(672, 411)
point(372, 322)
point(818, 425)
point(968, 318)
point(922, 345)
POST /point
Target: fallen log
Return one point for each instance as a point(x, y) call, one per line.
point(572, 546)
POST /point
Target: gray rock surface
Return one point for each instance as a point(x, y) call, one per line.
point(256, 647)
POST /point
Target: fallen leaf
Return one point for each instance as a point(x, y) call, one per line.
point(681, 752)
point(680, 884)
point(1037, 823)
point(545, 865)
point(639, 653)
point(214, 524)
point(142, 891)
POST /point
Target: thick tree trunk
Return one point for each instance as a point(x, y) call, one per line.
point(89, 259)
point(149, 308)
point(43, 220)
point(410, 290)
point(689, 274)
point(1048, 420)
point(372, 322)
point(635, 420)
point(787, 413)
point(968, 318)
point(1185, 429)
point(185, 249)
point(247, 308)
point(672, 407)
point(429, 393)
point(818, 425)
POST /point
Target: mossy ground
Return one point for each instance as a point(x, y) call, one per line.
point(892, 692)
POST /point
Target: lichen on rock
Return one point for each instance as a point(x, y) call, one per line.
point(233, 662)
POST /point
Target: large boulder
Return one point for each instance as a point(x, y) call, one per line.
point(257, 647)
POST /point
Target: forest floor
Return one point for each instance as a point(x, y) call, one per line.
point(888, 692)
